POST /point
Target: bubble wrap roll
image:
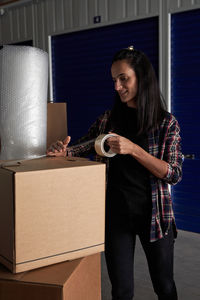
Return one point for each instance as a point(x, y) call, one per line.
point(23, 102)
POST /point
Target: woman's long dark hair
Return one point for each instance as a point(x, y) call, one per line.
point(150, 104)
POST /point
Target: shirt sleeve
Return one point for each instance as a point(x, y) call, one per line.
point(172, 154)
point(85, 145)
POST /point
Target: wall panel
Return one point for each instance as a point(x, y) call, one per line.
point(28, 11)
point(186, 3)
point(116, 9)
point(83, 13)
point(131, 8)
point(143, 7)
point(67, 6)
point(102, 10)
point(16, 24)
point(25, 21)
point(10, 15)
point(154, 6)
point(80, 14)
point(75, 13)
point(40, 26)
point(49, 15)
point(59, 15)
point(92, 11)
point(182, 5)
point(38, 19)
point(6, 28)
point(22, 23)
point(173, 4)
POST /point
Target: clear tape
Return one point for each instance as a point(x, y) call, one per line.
point(99, 145)
point(23, 102)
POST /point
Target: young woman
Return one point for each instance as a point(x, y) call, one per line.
point(138, 202)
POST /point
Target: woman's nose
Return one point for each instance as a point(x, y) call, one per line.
point(118, 86)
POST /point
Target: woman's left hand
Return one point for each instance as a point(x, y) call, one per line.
point(120, 145)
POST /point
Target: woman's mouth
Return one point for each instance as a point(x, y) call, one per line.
point(122, 94)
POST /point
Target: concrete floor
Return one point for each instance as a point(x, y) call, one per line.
point(187, 270)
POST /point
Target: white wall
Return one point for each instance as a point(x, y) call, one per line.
point(37, 19)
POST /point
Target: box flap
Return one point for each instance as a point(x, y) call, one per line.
point(56, 122)
point(47, 163)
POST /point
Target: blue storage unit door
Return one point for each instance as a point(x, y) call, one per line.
point(185, 83)
point(81, 64)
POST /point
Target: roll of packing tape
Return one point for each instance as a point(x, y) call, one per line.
point(99, 145)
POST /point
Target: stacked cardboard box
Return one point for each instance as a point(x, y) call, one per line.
point(78, 279)
point(52, 210)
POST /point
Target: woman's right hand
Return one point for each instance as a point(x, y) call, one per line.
point(59, 148)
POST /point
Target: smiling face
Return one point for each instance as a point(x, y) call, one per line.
point(126, 83)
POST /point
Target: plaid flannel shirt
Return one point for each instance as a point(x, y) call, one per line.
point(165, 144)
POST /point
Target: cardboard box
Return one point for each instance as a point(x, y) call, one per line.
point(56, 122)
point(79, 279)
point(51, 210)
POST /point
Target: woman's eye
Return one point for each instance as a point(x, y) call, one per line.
point(123, 78)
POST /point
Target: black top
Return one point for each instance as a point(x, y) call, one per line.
point(128, 180)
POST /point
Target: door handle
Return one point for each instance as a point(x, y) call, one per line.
point(189, 156)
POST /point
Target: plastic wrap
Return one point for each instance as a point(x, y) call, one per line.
point(23, 102)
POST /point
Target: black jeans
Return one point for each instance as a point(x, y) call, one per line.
point(121, 231)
